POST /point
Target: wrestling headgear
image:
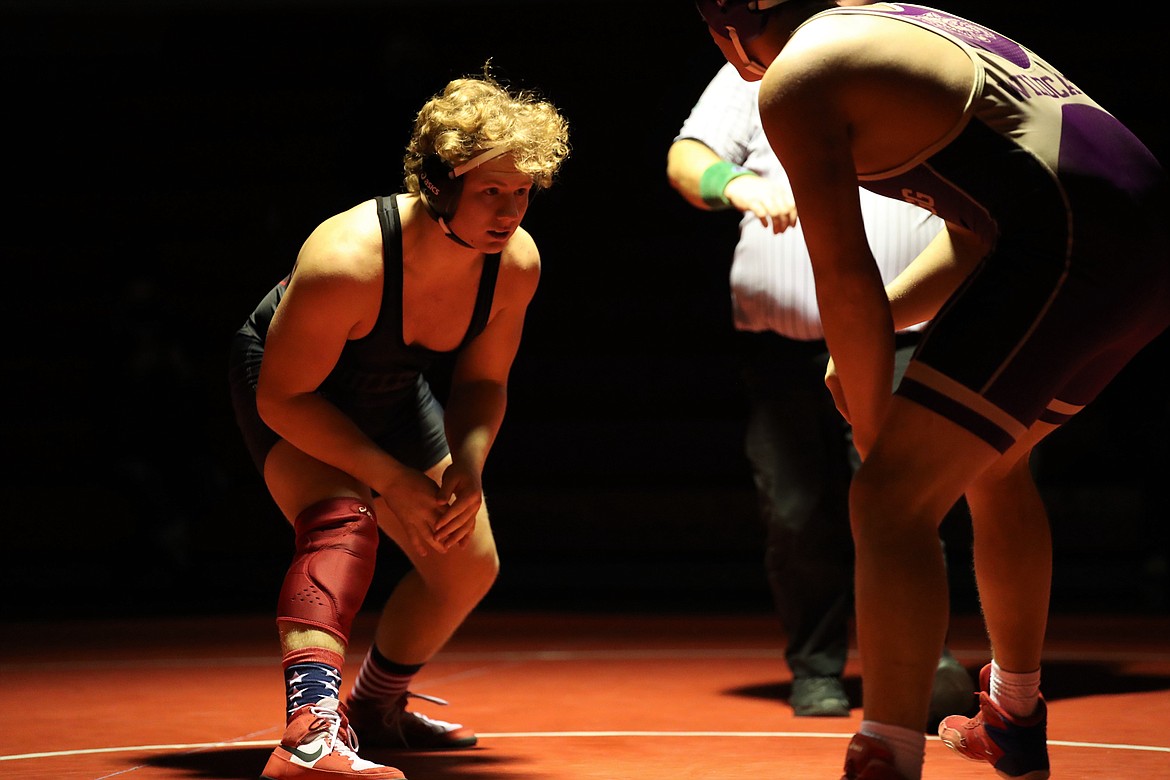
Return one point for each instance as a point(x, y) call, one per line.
point(736, 19)
point(739, 21)
point(441, 185)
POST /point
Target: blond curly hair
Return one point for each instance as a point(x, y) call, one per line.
point(476, 113)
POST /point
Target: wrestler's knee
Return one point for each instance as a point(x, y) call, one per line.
point(475, 571)
point(875, 490)
point(485, 569)
point(336, 549)
point(465, 574)
point(885, 502)
point(485, 558)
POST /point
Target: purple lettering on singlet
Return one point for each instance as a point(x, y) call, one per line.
point(1048, 84)
point(971, 33)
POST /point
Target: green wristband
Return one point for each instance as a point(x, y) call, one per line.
point(715, 179)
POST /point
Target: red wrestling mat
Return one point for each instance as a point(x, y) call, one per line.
point(553, 697)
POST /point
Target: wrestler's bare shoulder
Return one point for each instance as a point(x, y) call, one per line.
point(348, 243)
point(520, 264)
point(853, 43)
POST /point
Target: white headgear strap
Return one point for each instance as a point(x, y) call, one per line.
point(479, 160)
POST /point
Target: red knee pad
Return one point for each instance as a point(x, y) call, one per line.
point(337, 543)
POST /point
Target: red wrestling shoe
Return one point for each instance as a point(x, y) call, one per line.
point(1017, 748)
point(318, 744)
point(393, 726)
point(869, 759)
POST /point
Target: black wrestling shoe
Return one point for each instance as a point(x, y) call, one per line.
point(953, 692)
point(818, 697)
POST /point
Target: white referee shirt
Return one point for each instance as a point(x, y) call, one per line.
point(771, 276)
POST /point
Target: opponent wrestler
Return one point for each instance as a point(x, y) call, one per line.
point(1051, 274)
point(800, 450)
point(329, 385)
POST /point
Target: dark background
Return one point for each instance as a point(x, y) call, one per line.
point(165, 160)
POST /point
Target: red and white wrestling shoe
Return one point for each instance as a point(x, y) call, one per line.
point(318, 744)
point(1016, 747)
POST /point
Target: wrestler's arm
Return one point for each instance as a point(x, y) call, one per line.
point(920, 290)
point(802, 105)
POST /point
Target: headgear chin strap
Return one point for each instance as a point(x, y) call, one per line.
point(739, 21)
point(441, 185)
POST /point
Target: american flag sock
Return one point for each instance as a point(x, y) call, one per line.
point(310, 675)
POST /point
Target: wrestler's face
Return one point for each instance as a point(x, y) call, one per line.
point(492, 204)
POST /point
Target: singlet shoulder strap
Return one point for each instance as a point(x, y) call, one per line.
point(484, 297)
point(392, 274)
point(390, 312)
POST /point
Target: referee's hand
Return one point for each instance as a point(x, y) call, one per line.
point(770, 202)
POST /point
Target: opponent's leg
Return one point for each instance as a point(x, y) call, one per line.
point(916, 471)
point(1013, 555)
point(1013, 567)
